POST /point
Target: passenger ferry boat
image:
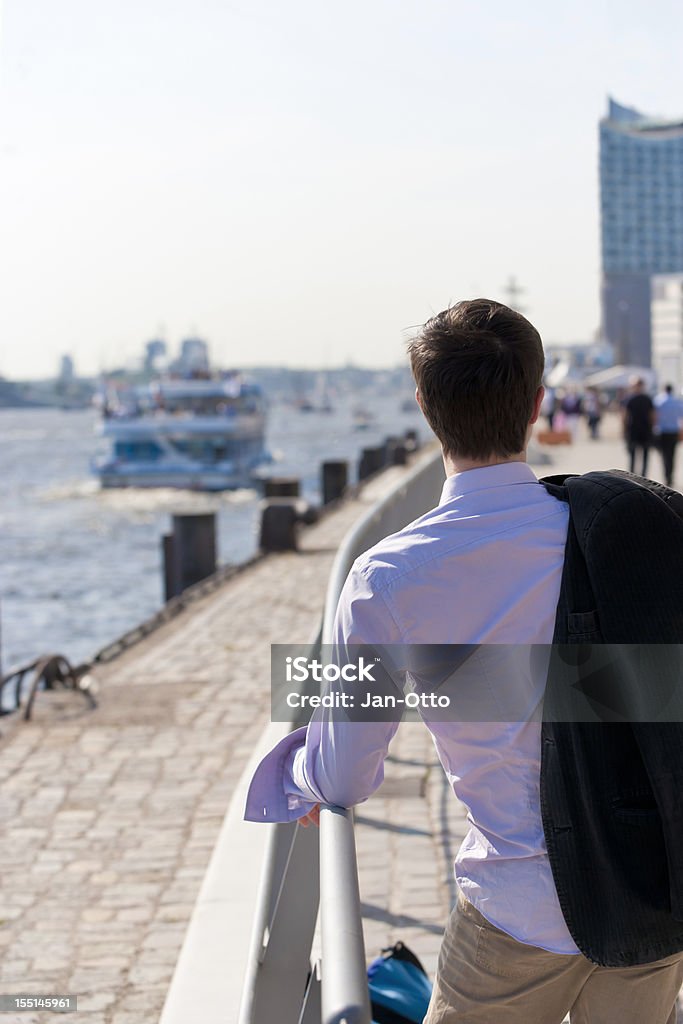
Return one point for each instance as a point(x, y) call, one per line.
point(201, 434)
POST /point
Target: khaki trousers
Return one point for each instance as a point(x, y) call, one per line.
point(486, 976)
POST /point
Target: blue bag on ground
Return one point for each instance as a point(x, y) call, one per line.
point(399, 987)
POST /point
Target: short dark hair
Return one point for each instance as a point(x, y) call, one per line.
point(478, 366)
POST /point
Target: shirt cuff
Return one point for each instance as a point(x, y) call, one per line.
point(272, 795)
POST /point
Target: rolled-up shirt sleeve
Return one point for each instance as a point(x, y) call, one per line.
point(333, 760)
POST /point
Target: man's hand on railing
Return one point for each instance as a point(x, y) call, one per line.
point(312, 818)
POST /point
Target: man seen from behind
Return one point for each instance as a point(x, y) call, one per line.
point(483, 567)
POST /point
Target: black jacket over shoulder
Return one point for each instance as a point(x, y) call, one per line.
point(612, 734)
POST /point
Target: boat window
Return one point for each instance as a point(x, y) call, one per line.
point(211, 405)
point(208, 449)
point(137, 451)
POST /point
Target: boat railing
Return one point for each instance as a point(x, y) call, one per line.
point(290, 978)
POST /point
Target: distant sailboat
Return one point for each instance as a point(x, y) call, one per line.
point(319, 400)
point(322, 401)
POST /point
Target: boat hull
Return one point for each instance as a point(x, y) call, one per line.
point(198, 480)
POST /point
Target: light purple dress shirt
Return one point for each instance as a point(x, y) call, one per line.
point(483, 567)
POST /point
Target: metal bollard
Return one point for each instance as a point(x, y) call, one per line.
point(189, 552)
point(281, 487)
point(412, 440)
point(279, 519)
point(334, 479)
point(167, 562)
point(371, 461)
point(398, 454)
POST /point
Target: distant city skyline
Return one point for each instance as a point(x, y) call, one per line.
point(300, 184)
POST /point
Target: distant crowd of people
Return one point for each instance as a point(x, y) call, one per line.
point(648, 422)
point(564, 408)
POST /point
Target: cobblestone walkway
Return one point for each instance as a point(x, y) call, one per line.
point(110, 816)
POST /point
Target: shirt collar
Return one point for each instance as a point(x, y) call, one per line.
point(503, 475)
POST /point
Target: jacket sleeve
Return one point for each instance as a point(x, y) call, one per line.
point(660, 746)
point(637, 575)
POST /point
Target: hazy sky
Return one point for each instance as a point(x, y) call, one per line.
point(300, 181)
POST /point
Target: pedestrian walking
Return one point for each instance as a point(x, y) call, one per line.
point(669, 413)
point(638, 419)
point(571, 407)
point(548, 406)
point(593, 412)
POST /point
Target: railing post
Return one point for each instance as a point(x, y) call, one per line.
point(283, 928)
point(345, 995)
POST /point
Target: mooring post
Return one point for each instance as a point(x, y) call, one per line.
point(371, 461)
point(398, 453)
point(281, 487)
point(412, 440)
point(168, 567)
point(190, 552)
point(279, 518)
point(334, 480)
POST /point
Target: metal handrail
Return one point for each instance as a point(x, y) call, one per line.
point(288, 902)
point(280, 986)
point(345, 994)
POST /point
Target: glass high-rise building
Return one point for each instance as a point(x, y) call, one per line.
point(641, 200)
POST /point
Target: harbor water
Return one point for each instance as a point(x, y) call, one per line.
point(80, 565)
